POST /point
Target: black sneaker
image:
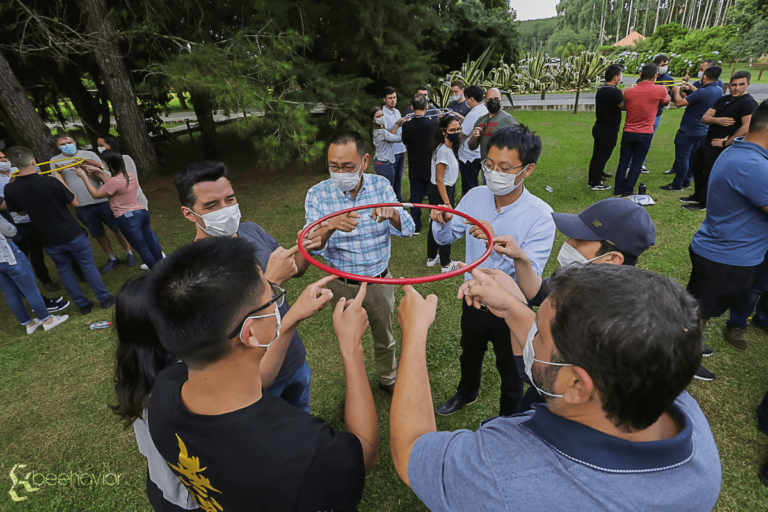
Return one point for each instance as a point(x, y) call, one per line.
point(707, 351)
point(600, 187)
point(56, 304)
point(672, 187)
point(694, 206)
point(736, 337)
point(87, 308)
point(109, 302)
point(417, 232)
point(688, 199)
point(607, 175)
point(704, 374)
point(453, 404)
point(671, 171)
point(644, 171)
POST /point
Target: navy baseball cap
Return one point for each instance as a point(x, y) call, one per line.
point(620, 222)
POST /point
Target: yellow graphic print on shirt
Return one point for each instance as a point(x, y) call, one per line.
point(196, 484)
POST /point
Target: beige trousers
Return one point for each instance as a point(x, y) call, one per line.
point(380, 305)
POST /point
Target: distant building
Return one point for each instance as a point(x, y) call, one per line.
point(631, 39)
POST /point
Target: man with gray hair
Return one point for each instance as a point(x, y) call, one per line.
point(45, 200)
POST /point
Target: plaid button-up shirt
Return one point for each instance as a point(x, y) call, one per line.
point(365, 250)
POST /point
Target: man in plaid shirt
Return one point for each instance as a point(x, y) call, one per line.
point(359, 242)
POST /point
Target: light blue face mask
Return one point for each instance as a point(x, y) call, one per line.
point(529, 356)
point(69, 149)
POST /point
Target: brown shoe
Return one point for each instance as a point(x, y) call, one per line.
point(736, 337)
point(388, 388)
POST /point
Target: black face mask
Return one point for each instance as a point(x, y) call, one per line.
point(493, 105)
point(453, 138)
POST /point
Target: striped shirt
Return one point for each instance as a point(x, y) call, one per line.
point(365, 250)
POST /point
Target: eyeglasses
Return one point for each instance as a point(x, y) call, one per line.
point(349, 168)
point(278, 297)
point(500, 170)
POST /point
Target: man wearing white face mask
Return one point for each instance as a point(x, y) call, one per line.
point(359, 242)
point(618, 430)
point(209, 203)
point(458, 102)
point(213, 308)
point(505, 207)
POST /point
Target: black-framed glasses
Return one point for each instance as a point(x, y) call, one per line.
point(344, 168)
point(500, 170)
point(278, 297)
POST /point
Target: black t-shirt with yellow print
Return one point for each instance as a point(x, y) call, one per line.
point(269, 456)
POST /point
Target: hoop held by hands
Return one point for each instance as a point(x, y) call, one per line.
point(78, 161)
point(391, 280)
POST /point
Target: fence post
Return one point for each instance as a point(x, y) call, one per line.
point(189, 130)
point(760, 75)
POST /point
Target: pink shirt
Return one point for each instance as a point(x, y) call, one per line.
point(642, 102)
point(122, 195)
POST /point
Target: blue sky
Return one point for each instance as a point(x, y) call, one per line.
point(534, 9)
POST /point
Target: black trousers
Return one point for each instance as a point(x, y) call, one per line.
point(477, 329)
point(605, 142)
point(701, 163)
point(31, 246)
point(432, 246)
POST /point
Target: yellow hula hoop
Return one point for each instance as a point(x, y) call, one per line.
point(78, 161)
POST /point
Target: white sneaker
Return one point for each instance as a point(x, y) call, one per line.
point(433, 262)
point(33, 326)
point(144, 265)
point(56, 321)
point(453, 265)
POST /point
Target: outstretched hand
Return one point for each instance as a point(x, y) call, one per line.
point(477, 232)
point(346, 223)
point(383, 213)
point(313, 299)
point(416, 313)
point(312, 240)
point(440, 216)
point(491, 288)
point(282, 265)
point(350, 321)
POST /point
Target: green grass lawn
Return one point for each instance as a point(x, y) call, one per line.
point(56, 385)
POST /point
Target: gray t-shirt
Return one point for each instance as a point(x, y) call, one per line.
point(540, 461)
point(265, 245)
point(75, 183)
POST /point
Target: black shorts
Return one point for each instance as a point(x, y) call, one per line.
point(716, 286)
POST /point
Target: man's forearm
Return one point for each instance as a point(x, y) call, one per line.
point(739, 133)
point(412, 414)
point(325, 235)
point(395, 221)
point(301, 265)
point(359, 410)
point(527, 278)
point(473, 143)
point(519, 318)
point(273, 359)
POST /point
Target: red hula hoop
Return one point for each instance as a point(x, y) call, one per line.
point(392, 280)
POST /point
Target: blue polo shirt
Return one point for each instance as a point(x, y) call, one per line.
point(735, 230)
point(699, 101)
point(540, 461)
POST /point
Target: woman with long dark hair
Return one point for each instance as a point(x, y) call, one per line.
point(131, 217)
point(445, 172)
point(110, 142)
point(140, 357)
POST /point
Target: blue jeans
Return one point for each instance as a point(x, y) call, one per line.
point(684, 148)
point(386, 169)
point(655, 127)
point(294, 388)
point(19, 279)
point(634, 148)
point(419, 190)
point(399, 164)
point(756, 296)
point(136, 229)
point(469, 171)
point(81, 251)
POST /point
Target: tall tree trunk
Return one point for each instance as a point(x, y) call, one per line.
point(658, 9)
point(182, 101)
point(618, 21)
point(670, 18)
point(85, 104)
point(24, 119)
point(629, 20)
point(130, 121)
point(201, 102)
point(685, 11)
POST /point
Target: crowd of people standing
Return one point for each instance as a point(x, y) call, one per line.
point(221, 405)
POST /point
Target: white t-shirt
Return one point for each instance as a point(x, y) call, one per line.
point(466, 154)
point(444, 155)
